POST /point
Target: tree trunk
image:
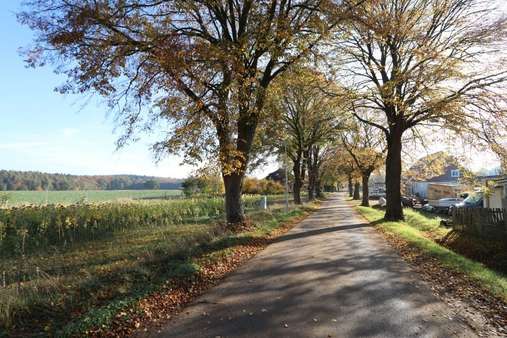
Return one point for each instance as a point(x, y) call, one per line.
point(296, 188)
point(311, 176)
point(357, 187)
point(233, 205)
point(394, 210)
point(232, 153)
point(316, 167)
point(318, 188)
point(351, 188)
point(313, 172)
point(366, 191)
point(296, 192)
point(311, 186)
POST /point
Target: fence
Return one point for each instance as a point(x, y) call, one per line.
point(484, 222)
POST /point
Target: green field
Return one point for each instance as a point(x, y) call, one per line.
point(69, 197)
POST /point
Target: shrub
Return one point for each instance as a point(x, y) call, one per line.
point(4, 199)
point(255, 186)
point(210, 185)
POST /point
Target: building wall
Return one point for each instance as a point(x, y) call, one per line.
point(438, 191)
point(420, 188)
point(494, 200)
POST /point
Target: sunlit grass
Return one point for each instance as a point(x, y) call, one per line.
point(416, 230)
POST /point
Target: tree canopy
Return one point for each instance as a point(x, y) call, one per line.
point(202, 65)
point(304, 119)
point(366, 146)
point(214, 72)
point(433, 63)
point(32, 180)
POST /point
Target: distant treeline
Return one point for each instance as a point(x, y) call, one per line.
point(32, 180)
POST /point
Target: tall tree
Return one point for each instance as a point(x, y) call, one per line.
point(357, 187)
point(365, 144)
point(340, 164)
point(307, 119)
point(425, 62)
point(202, 65)
point(318, 155)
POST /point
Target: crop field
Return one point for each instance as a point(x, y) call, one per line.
point(91, 259)
point(15, 198)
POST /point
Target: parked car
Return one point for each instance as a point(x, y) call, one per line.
point(408, 201)
point(427, 208)
point(377, 194)
point(443, 204)
point(405, 201)
point(474, 200)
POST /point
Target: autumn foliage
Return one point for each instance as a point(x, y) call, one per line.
point(202, 66)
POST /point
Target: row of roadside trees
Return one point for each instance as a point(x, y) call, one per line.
point(319, 78)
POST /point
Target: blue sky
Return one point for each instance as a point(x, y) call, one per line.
point(46, 131)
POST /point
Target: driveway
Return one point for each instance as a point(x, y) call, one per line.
point(332, 275)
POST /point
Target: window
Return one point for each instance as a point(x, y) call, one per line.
point(455, 173)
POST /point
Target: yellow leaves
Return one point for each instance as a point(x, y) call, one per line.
point(66, 38)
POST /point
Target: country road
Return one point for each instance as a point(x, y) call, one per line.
point(332, 275)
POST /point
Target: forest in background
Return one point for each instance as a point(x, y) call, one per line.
point(36, 181)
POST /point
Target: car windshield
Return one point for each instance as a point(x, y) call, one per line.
point(473, 198)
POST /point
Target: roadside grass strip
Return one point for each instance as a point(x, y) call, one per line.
point(418, 230)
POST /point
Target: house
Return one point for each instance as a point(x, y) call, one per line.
point(277, 176)
point(438, 186)
point(497, 193)
point(377, 185)
point(437, 191)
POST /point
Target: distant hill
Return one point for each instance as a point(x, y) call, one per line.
point(33, 180)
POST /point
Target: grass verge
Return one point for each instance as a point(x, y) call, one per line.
point(419, 231)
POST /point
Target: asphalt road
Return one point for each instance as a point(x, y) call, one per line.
point(332, 275)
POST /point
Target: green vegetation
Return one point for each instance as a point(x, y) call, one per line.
point(211, 184)
point(263, 186)
point(34, 228)
point(418, 230)
point(38, 181)
point(4, 199)
point(69, 289)
point(70, 197)
point(203, 184)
